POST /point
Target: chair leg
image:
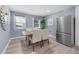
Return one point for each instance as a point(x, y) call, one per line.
point(48, 41)
point(41, 44)
point(33, 48)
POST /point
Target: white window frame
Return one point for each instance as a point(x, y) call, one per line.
point(38, 23)
point(15, 23)
point(50, 21)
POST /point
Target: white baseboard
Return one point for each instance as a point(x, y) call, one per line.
point(9, 42)
point(52, 36)
point(6, 46)
point(17, 37)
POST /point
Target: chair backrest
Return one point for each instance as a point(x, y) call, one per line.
point(28, 29)
point(44, 34)
point(36, 36)
point(23, 32)
point(35, 28)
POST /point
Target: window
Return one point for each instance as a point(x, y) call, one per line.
point(36, 23)
point(20, 22)
point(50, 21)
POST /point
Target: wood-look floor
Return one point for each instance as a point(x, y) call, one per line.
point(18, 46)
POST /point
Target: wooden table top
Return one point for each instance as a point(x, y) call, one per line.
point(29, 33)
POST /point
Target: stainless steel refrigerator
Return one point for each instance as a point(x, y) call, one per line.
point(65, 33)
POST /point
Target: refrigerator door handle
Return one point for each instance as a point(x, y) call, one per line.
point(64, 33)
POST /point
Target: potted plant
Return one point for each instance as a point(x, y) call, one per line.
point(43, 23)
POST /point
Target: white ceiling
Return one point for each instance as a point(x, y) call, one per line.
point(41, 10)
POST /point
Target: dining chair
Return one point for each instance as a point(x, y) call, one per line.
point(24, 33)
point(36, 38)
point(45, 36)
point(28, 29)
point(24, 36)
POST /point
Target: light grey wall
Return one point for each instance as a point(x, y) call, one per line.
point(67, 12)
point(51, 29)
point(77, 26)
point(4, 35)
point(29, 23)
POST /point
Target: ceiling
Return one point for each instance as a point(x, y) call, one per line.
point(40, 10)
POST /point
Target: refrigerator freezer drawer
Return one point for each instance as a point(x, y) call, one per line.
point(65, 39)
point(59, 38)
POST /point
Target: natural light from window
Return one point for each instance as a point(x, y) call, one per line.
point(20, 22)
